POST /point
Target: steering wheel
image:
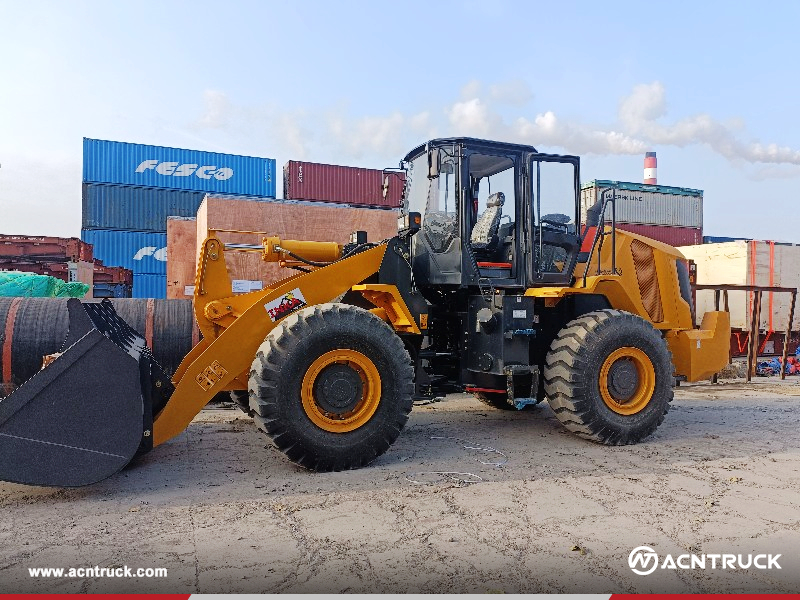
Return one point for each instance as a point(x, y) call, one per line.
point(556, 220)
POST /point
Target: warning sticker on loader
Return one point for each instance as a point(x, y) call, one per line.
point(211, 375)
point(286, 304)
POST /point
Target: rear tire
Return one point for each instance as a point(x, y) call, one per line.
point(608, 377)
point(332, 386)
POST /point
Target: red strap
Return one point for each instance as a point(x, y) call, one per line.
point(494, 265)
point(148, 322)
point(9, 338)
point(469, 388)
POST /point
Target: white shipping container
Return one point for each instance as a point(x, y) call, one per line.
point(648, 204)
point(748, 263)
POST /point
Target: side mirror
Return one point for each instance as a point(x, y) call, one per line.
point(408, 224)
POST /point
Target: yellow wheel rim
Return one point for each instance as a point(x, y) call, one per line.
point(627, 380)
point(341, 391)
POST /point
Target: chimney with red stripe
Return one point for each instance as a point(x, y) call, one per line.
point(650, 168)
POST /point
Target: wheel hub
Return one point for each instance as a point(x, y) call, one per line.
point(627, 380)
point(623, 379)
point(341, 390)
point(338, 389)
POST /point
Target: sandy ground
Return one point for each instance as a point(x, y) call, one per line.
point(545, 512)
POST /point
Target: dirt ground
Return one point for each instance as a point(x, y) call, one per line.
point(524, 506)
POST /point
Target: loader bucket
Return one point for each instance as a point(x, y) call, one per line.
point(88, 412)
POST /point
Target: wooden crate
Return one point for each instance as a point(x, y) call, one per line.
point(181, 256)
point(287, 220)
point(749, 262)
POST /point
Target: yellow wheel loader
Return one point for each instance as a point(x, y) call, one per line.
point(492, 286)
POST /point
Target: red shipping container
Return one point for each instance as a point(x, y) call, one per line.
point(343, 185)
point(674, 236)
point(112, 275)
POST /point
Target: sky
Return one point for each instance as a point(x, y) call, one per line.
point(712, 87)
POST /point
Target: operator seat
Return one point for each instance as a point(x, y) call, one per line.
point(484, 234)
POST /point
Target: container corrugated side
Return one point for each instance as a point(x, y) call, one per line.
point(177, 168)
point(635, 203)
point(721, 239)
point(111, 290)
point(109, 206)
point(674, 236)
point(355, 186)
point(149, 286)
point(139, 251)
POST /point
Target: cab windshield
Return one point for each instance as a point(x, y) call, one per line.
point(435, 199)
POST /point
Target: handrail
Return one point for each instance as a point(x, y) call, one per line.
point(600, 233)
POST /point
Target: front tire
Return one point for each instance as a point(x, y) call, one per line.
point(332, 386)
point(241, 399)
point(608, 377)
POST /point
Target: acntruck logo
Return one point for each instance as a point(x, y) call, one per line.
point(157, 253)
point(643, 560)
point(645, 557)
point(176, 169)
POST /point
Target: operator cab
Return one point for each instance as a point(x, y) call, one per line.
point(493, 214)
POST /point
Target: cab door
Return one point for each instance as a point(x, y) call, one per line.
point(554, 192)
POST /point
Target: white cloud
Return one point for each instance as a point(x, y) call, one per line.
point(641, 111)
point(471, 117)
point(547, 130)
point(483, 111)
point(644, 105)
point(217, 110)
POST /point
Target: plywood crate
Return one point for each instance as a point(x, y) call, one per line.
point(287, 220)
point(751, 262)
point(181, 256)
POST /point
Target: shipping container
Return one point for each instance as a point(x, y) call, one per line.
point(108, 206)
point(106, 274)
point(139, 251)
point(647, 204)
point(674, 236)
point(761, 263)
point(768, 343)
point(343, 185)
point(716, 239)
point(176, 168)
point(111, 290)
point(44, 248)
point(146, 285)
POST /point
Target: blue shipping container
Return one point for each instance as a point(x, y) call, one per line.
point(107, 206)
point(717, 239)
point(139, 251)
point(111, 290)
point(156, 166)
point(149, 286)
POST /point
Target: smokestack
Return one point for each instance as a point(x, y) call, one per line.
point(650, 168)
